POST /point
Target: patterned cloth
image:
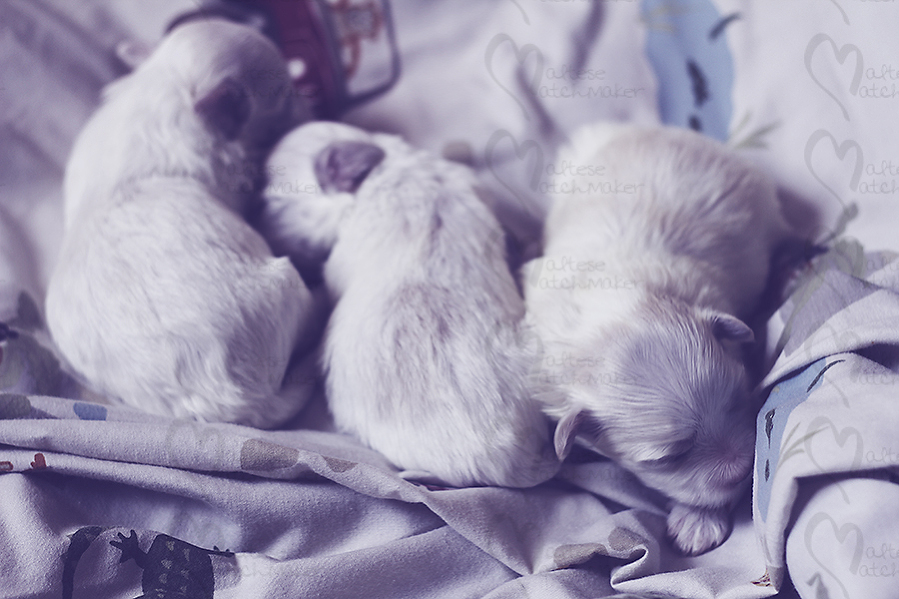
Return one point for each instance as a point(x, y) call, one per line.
point(100, 501)
point(826, 453)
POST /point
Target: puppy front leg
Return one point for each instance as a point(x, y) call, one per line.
point(695, 530)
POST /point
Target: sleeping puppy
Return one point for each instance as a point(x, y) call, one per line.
point(163, 296)
point(655, 254)
point(424, 353)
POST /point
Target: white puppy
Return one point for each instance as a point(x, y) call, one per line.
point(657, 244)
point(424, 353)
point(163, 296)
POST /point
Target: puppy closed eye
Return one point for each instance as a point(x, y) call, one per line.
point(665, 455)
point(667, 460)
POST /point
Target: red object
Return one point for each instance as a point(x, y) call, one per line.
point(327, 36)
point(301, 32)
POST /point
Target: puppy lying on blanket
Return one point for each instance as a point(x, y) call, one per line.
point(163, 296)
point(638, 300)
point(424, 352)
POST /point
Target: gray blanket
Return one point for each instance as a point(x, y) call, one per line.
point(824, 500)
point(98, 501)
point(110, 502)
point(114, 503)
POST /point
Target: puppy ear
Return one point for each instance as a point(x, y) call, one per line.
point(566, 431)
point(731, 328)
point(343, 165)
point(133, 52)
point(225, 109)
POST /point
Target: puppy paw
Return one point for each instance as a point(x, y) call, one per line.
point(695, 530)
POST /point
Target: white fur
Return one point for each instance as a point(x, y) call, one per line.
point(298, 218)
point(425, 356)
point(163, 297)
point(637, 300)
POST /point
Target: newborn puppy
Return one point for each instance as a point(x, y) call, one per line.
point(657, 248)
point(163, 296)
point(424, 354)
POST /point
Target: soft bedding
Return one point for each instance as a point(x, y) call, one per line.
point(101, 501)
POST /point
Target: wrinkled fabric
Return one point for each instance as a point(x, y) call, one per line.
point(826, 456)
point(100, 501)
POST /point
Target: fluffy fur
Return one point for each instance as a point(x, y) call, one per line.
point(638, 299)
point(424, 354)
point(163, 296)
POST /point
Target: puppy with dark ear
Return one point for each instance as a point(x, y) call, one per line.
point(309, 191)
point(163, 296)
point(649, 275)
point(425, 355)
point(225, 109)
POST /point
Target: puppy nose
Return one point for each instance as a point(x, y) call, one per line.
point(343, 165)
point(735, 472)
point(735, 462)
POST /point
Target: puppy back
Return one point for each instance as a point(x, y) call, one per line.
point(424, 352)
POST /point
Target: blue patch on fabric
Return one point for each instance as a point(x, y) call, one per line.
point(687, 47)
point(89, 411)
point(772, 422)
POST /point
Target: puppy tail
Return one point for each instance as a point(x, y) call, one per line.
point(302, 372)
point(300, 382)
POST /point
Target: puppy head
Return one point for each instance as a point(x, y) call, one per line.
point(206, 104)
point(313, 174)
point(669, 401)
point(372, 191)
point(235, 76)
point(321, 161)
